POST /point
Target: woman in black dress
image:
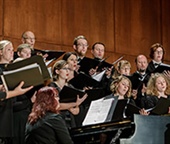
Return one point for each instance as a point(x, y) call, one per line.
point(6, 100)
point(158, 86)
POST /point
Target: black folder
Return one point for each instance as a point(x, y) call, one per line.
point(34, 59)
point(103, 64)
point(119, 110)
point(132, 109)
point(31, 75)
point(69, 94)
point(52, 54)
point(87, 63)
point(161, 68)
point(93, 94)
point(83, 80)
point(161, 107)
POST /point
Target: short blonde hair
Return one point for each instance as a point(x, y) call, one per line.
point(122, 64)
point(22, 46)
point(4, 43)
point(77, 38)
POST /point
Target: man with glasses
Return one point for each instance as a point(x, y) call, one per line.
point(80, 46)
point(28, 37)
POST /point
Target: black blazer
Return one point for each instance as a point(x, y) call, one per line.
point(50, 129)
point(150, 68)
point(6, 112)
point(150, 101)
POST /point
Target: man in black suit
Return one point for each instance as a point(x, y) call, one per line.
point(139, 79)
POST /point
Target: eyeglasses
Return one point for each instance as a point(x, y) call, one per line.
point(123, 68)
point(66, 68)
point(83, 45)
point(159, 52)
point(29, 38)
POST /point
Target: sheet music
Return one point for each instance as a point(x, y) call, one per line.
point(98, 111)
point(48, 62)
point(163, 64)
point(98, 77)
point(22, 68)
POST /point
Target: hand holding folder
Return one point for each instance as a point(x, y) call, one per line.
point(160, 109)
point(162, 67)
point(51, 54)
point(31, 75)
point(83, 80)
point(34, 59)
point(69, 94)
point(32, 71)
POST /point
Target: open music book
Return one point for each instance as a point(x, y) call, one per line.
point(34, 59)
point(100, 110)
point(30, 74)
point(162, 67)
point(69, 94)
point(160, 109)
point(98, 77)
point(83, 80)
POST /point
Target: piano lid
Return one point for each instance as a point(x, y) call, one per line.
point(150, 130)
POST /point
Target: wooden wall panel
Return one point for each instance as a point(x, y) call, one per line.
point(137, 25)
point(91, 18)
point(126, 27)
point(166, 28)
point(1, 17)
point(43, 17)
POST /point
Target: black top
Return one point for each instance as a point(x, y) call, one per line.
point(151, 68)
point(50, 129)
point(67, 116)
point(137, 84)
point(6, 114)
point(2, 95)
point(150, 101)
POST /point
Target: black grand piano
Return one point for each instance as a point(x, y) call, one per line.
point(90, 134)
point(143, 130)
point(150, 130)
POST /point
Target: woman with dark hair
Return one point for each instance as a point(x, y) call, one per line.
point(60, 72)
point(45, 125)
point(157, 53)
point(71, 59)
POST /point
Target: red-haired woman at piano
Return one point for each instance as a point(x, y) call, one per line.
point(45, 124)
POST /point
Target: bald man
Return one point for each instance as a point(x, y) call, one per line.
point(28, 37)
point(139, 79)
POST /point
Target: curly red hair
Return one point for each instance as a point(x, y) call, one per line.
point(45, 102)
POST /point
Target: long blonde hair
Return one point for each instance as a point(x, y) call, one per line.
point(151, 86)
point(116, 81)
